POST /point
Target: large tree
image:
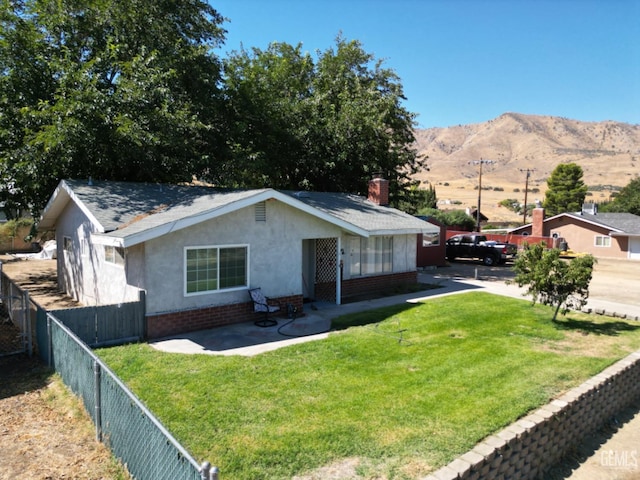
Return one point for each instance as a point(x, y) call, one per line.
point(627, 199)
point(566, 189)
point(117, 89)
point(325, 123)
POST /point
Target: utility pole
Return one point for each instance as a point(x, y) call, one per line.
point(526, 190)
point(480, 162)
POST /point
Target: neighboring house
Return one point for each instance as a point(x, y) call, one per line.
point(473, 213)
point(196, 251)
point(606, 235)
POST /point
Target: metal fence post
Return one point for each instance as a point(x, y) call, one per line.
point(207, 472)
point(213, 475)
point(50, 342)
point(97, 399)
point(204, 470)
point(27, 319)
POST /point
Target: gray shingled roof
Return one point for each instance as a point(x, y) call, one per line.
point(361, 212)
point(622, 222)
point(124, 209)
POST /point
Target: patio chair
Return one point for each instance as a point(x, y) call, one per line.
point(262, 304)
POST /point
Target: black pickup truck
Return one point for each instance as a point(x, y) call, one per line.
point(478, 247)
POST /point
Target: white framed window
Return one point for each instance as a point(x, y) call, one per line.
point(371, 255)
point(602, 241)
point(67, 245)
point(430, 239)
point(114, 255)
point(215, 268)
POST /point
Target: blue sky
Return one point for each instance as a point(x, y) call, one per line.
point(468, 61)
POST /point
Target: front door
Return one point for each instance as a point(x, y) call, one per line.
point(326, 269)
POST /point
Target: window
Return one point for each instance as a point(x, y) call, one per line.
point(67, 245)
point(430, 239)
point(603, 241)
point(355, 264)
point(114, 255)
point(371, 255)
point(209, 269)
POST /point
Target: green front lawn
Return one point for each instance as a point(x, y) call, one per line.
point(467, 365)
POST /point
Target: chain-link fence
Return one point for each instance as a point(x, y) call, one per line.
point(16, 322)
point(124, 424)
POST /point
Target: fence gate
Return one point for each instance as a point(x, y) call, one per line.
point(326, 269)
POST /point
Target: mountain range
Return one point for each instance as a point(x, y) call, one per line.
point(516, 150)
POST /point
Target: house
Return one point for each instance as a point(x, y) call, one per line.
point(606, 235)
point(196, 251)
point(479, 217)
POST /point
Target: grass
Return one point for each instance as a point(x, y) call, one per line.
point(404, 389)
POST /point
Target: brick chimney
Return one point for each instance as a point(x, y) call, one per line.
point(537, 222)
point(379, 190)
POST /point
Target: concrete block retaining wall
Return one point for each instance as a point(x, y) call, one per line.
point(537, 442)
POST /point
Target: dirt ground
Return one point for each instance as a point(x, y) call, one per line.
point(39, 278)
point(46, 435)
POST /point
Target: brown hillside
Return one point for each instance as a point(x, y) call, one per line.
point(608, 152)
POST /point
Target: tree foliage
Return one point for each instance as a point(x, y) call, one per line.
point(416, 200)
point(451, 218)
point(131, 90)
point(566, 190)
point(627, 199)
point(552, 280)
point(322, 124)
point(114, 89)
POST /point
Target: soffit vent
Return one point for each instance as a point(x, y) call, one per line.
point(261, 212)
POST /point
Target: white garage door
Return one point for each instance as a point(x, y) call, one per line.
point(634, 248)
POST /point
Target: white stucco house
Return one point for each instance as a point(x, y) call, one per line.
point(196, 251)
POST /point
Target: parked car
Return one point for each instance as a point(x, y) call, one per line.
point(477, 246)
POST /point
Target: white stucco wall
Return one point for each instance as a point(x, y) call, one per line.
point(83, 272)
point(275, 255)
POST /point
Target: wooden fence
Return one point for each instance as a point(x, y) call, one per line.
point(104, 325)
point(519, 240)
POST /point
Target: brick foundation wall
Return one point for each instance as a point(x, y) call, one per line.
point(534, 444)
point(174, 323)
point(361, 285)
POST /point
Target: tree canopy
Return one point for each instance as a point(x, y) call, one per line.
point(116, 89)
point(320, 124)
point(566, 189)
point(132, 90)
point(627, 199)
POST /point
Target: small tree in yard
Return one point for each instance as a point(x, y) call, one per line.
point(552, 280)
